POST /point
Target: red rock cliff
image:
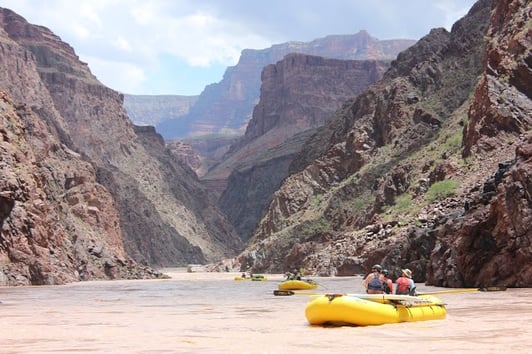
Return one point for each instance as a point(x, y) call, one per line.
point(391, 185)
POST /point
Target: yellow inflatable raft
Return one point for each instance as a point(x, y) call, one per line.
point(337, 309)
point(298, 284)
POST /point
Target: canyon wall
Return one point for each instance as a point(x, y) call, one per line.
point(117, 197)
point(425, 169)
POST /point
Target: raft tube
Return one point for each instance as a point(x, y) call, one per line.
point(298, 285)
point(350, 310)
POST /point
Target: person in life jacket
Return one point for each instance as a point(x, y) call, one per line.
point(373, 282)
point(405, 283)
point(387, 284)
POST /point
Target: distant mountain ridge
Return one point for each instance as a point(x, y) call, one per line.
point(225, 107)
point(155, 109)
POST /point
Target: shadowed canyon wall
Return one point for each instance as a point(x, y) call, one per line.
point(299, 94)
point(425, 169)
point(97, 185)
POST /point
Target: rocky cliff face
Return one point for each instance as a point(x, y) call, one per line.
point(226, 107)
point(303, 91)
point(298, 94)
point(221, 114)
point(387, 180)
point(493, 239)
point(58, 224)
point(136, 197)
point(201, 153)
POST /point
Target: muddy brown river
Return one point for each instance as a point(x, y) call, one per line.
point(213, 313)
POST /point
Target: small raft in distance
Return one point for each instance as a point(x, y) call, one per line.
point(295, 284)
point(254, 277)
point(338, 309)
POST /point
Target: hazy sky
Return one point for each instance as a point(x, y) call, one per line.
point(180, 46)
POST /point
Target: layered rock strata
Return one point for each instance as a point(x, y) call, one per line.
point(299, 94)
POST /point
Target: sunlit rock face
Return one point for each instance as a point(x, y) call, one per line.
point(298, 95)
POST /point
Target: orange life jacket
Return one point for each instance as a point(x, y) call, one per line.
point(403, 286)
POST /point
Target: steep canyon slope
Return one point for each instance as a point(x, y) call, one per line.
point(298, 95)
point(85, 193)
point(222, 111)
point(428, 169)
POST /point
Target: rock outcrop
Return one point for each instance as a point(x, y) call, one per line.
point(502, 101)
point(492, 242)
point(302, 92)
point(58, 224)
point(223, 109)
point(299, 94)
point(425, 170)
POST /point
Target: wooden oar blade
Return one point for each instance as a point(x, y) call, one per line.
point(283, 293)
point(465, 290)
point(493, 288)
point(450, 291)
point(419, 304)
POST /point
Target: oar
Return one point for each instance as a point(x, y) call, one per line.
point(466, 290)
point(322, 286)
point(361, 296)
point(293, 292)
point(371, 297)
point(419, 304)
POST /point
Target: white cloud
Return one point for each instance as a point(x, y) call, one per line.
point(89, 12)
point(144, 13)
point(122, 76)
point(198, 37)
point(451, 11)
point(123, 41)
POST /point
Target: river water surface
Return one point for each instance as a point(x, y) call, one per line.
point(213, 313)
